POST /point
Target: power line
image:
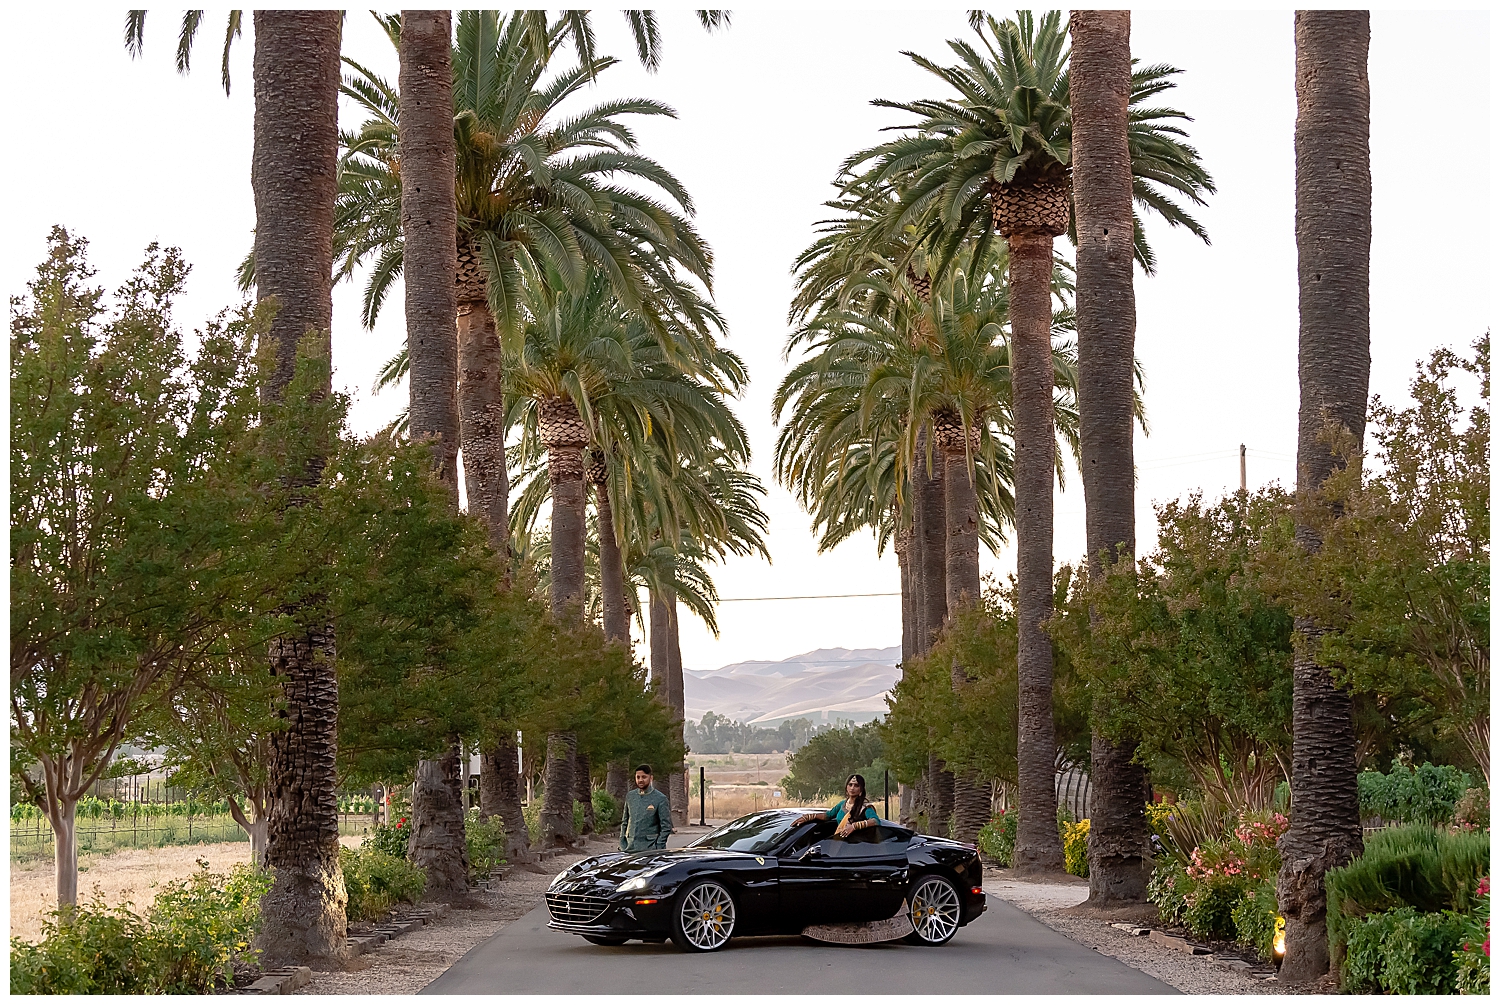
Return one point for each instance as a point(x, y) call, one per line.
point(815, 596)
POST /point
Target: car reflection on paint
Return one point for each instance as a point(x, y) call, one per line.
point(766, 874)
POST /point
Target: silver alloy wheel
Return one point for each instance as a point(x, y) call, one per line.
point(706, 916)
point(935, 910)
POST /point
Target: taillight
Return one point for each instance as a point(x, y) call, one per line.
point(974, 890)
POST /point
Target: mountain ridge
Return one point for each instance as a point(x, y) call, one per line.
point(821, 684)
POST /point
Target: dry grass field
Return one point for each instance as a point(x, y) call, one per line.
point(740, 784)
point(124, 876)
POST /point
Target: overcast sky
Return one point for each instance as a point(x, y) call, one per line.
point(125, 153)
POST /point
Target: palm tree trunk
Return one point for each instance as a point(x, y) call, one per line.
point(616, 782)
point(429, 233)
point(971, 796)
point(481, 410)
point(557, 792)
point(437, 813)
point(677, 791)
point(583, 789)
point(500, 795)
point(293, 175)
point(931, 500)
point(1333, 369)
point(1100, 95)
point(902, 547)
point(1038, 848)
point(611, 571)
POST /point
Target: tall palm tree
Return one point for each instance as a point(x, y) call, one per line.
point(996, 162)
point(429, 223)
point(293, 177)
point(1100, 98)
point(1333, 368)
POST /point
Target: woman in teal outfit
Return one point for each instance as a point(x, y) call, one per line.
point(853, 813)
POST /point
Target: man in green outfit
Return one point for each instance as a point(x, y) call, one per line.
point(648, 815)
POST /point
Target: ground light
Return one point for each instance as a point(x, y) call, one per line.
point(1278, 943)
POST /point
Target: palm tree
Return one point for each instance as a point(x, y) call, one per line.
point(1333, 277)
point(580, 28)
point(996, 161)
point(1099, 97)
point(293, 177)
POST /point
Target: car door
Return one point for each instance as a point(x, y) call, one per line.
point(858, 878)
point(803, 879)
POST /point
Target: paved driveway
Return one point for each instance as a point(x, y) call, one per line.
point(1005, 952)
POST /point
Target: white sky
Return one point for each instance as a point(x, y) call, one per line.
point(127, 153)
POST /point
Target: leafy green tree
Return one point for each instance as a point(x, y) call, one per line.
point(1402, 576)
point(822, 766)
point(1188, 651)
point(148, 514)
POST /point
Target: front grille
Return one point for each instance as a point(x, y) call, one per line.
point(575, 908)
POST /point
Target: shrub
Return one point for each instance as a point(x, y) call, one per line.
point(486, 843)
point(376, 881)
point(1418, 867)
point(532, 813)
point(1075, 839)
point(189, 941)
point(1254, 919)
point(997, 839)
point(1425, 795)
point(1404, 951)
point(1211, 902)
point(1168, 889)
point(390, 839)
point(1472, 812)
point(606, 810)
point(1473, 957)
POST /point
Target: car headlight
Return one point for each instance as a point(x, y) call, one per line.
point(559, 877)
point(638, 883)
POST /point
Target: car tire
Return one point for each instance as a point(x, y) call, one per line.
point(703, 917)
point(936, 910)
point(603, 940)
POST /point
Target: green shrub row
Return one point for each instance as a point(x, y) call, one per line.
point(486, 844)
point(1404, 952)
point(607, 811)
point(997, 841)
point(93, 808)
point(1425, 795)
point(188, 941)
point(376, 882)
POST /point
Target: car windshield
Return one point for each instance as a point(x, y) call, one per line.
point(756, 833)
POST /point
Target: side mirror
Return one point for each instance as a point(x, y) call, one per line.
point(813, 851)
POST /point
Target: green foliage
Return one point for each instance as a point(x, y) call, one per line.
point(974, 728)
point(718, 734)
point(1473, 957)
point(1254, 919)
point(607, 813)
point(823, 766)
point(1189, 652)
point(188, 942)
point(391, 839)
point(1168, 889)
point(1416, 866)
point(1425, 795)
point(997, 839)
point(486, 844)
point(1075, 839)
point(1404, 951)
point(532, 813)
point(1209, 912)
point(1402, 573)
point(377, 881)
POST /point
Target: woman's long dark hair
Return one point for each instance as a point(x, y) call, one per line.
point(857, 808)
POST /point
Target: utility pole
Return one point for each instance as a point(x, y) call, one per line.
point(1242, 468)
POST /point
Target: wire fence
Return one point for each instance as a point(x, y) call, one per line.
point(145, 812)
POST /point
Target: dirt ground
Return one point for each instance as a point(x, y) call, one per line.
point(120, 877)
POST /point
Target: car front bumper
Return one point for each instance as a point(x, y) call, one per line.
point(611, 915)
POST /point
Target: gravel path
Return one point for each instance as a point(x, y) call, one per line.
point(1055, 903)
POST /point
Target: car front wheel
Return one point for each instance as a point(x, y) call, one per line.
point(935, 910)
point(704, 917)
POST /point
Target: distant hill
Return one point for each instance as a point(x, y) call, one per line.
point(821, 685)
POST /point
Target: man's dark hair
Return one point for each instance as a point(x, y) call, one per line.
point(644, 767)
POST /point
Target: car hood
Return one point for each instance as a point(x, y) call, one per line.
point(617, 867)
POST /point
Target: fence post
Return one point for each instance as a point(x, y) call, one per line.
point(887, 793)
point(702, 794)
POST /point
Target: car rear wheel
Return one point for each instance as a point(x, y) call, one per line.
point(600, 940)
point(935, 911)
point(704, 918)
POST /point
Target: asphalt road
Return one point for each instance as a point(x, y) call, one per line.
point(1005, 951)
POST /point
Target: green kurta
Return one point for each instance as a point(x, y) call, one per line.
point(647, 820)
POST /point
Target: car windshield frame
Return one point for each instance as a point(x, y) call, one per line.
point(750, 835)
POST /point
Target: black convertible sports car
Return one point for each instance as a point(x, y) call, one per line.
point(765, 874)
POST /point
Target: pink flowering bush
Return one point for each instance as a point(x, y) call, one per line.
point(1473, 958)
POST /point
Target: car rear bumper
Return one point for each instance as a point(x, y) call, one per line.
point(974, 905)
